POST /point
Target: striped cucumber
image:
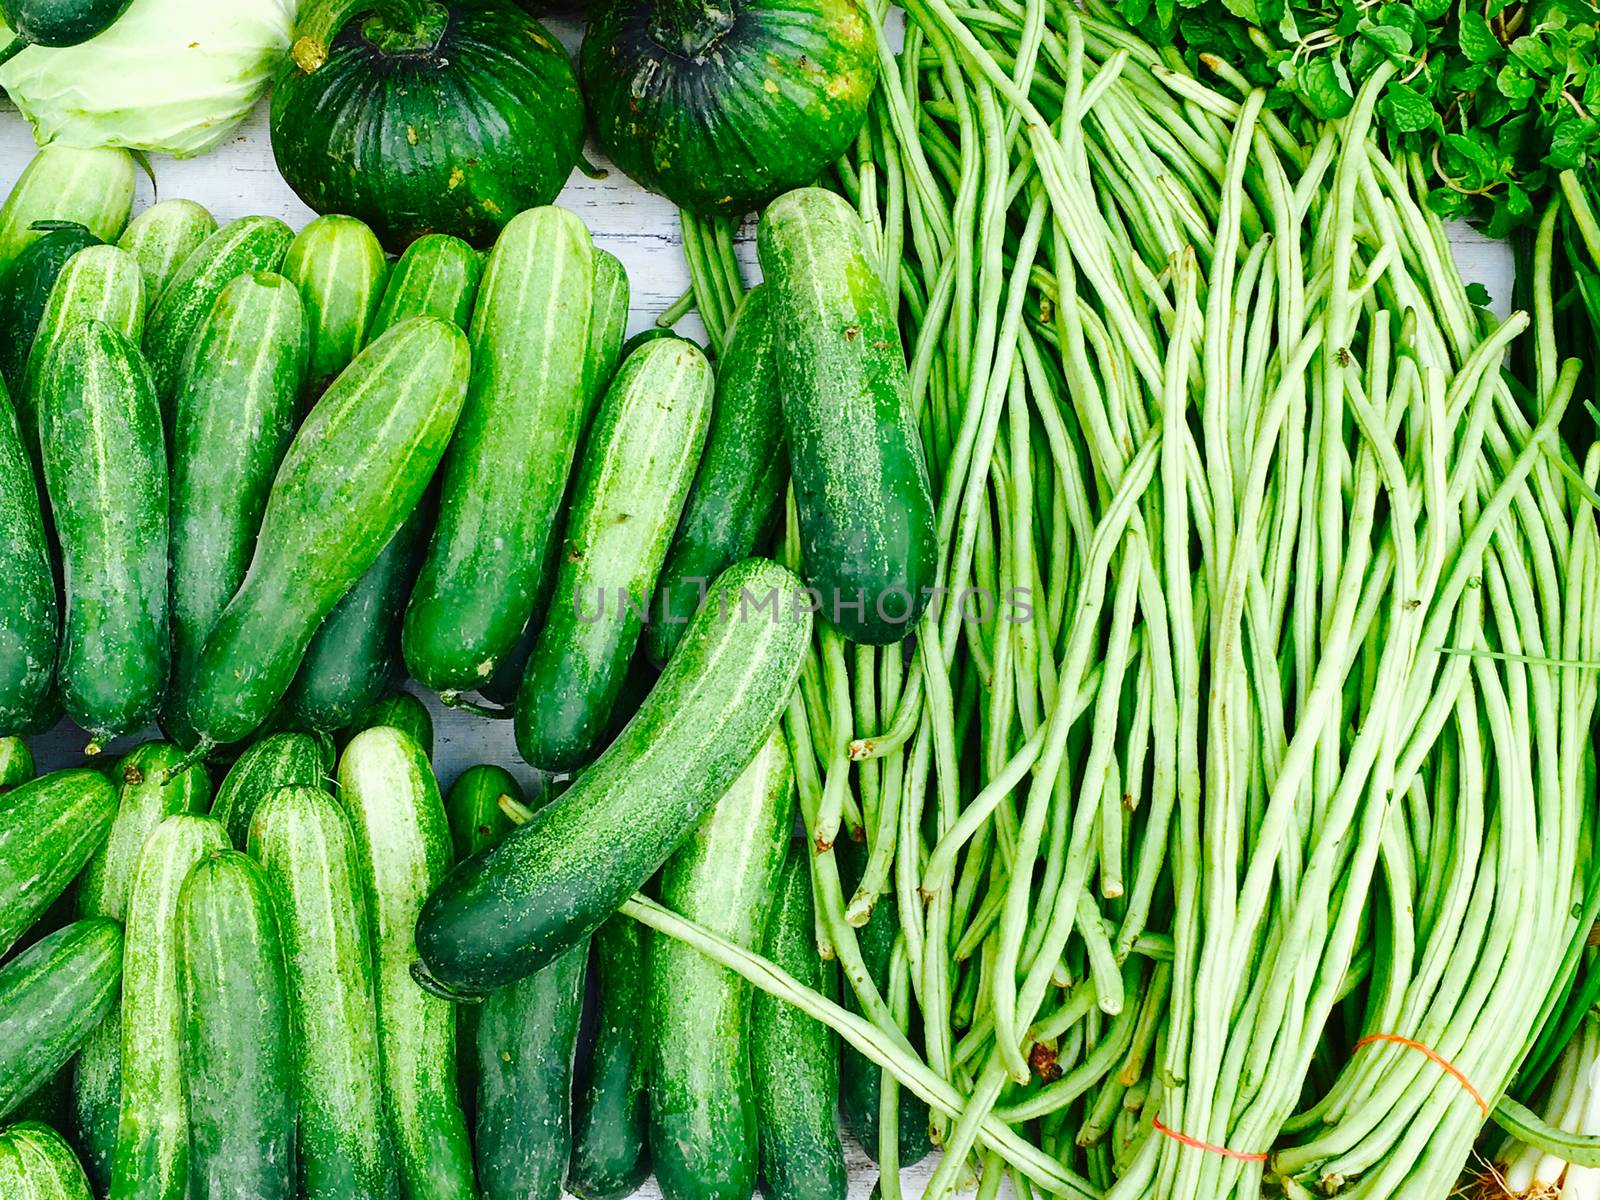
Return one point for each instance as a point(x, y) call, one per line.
point(340, 269)
point(238, 1044)
point(867, 525)
point(105, 466)
point(611, 1105)
point(25, 288)
point(62, 183)
point(725, 877)
point(162, 237)
point(37, 1164)
point(437, 276)
point(16, 763)
point(49, 828)
point(507, 469)
point(548, 886)
point(51, 996)
point(278, 760)
point(398, 710)
point(641, 459)
point(740, 479)
point(151, 1160)
point(28, 610)
point(354, 472)
point(234, 414)
point(402, 845)
point(303, 843)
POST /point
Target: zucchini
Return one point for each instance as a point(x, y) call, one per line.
point(234, 413)
point(162, 237)
point(238, 1045)
point(507, 469)
point(402, 849)
point(353, 474)
point(437, 276)
point(642, 456)
point(549, 885)
point(611, 1105)
point(51, 996)
point(105, 466)
point(794, 1058)
point(867, 528)
point(340, 269)
point(402, 711)
point(25, 288)
point(37, 1164)
point(278, 760)
point(28, 613)
point(16, 763)
point(241, 247)
point(741, 475)
point(151, 1161)
point(93, 188)
point(702, 1106)
point(49, 828)
point(303, 842)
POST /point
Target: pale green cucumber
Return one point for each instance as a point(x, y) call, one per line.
point(37, 1164)
point(49, 828)
point(437, 276)
point(398, 710)
point(62, 183)
point(278, 760)
point(16, 763)
point(340, 269)
point(162, 237)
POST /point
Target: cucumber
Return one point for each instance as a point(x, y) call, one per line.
point(277, 761)
point(548, 886)
point(402, 711)
point(162, 237)
point(60, 22)
point(437, 276)
point(340, 269)
point(402, 849)
point(736, 491)
point(37, 1164)
point(151, 1161)
point(49, 828)
point(16, 763)
point(241, 247)
point(105, 466)
point(794, 1058)
point(93, 188)
point(641, 459)
point(51, 996)
point(234, 414)
point(238, 1046)
point(28, 612)
point(25, 288)
point(354, 472)
point(507, 469)
point(867, 526)
point(702, 1106)
point(303, 842)
point(611, 1105)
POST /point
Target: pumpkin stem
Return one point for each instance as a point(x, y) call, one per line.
point(407, 26)
point(320, 22)
point(690, 27)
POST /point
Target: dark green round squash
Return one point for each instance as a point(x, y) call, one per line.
point(58, 22)
point(425, 117)
point(720, 105)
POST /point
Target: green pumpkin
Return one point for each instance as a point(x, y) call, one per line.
point(720, 105)
point(424, 117)
point(58, 22)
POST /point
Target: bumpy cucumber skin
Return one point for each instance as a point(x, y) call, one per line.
point(162, 238)
point(794, 1058)
point(152, 1155)
point(740, 479)
point(28, 612)
point(278, 760)
point(25, 288)
point(611, 1104)
point(354, 472)
point(49, 828)
point(402, 711)
point(238, 1043)
point(548, 886)
point(867, 522)
point(340, 269)
point(702, 1106)
point(303, 842)
point(402, 850)
point(640, 461)
point(37, 1164)
point(16, 763)
point(234, 414)
point(51, 996)
point(507, 469)
point(437, 276)
point(62, 183)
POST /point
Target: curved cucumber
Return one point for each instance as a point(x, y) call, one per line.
point(548, 886)
point(867, 523)
point(25, 288)
point(16, 763)
point(702, 1107)
point(37, 1164)
point(233, 417)
point(437, 276)
point(611, 1105)
point(277, 761)
point(162, 238)
point(93, 188)
point(354, 472)
point(636, 472)
point(402, 711)
point(49, 828)
point(28, 612)
point(340, 269)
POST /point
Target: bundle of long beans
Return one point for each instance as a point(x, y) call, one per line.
point(1234, 801)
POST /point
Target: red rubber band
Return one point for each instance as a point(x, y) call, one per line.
point(1433, 1055)
point(1184, 1139)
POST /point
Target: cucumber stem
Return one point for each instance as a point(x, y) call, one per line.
point(690, 27)
point(425, 980)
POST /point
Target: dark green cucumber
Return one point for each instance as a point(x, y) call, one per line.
point(94, 188)
point(303, 842)
point(740, 479)
point(234, 413)
point(238, 1043)
point(867, 526)
point(437, 276)
point(278, 760)
point(49, 828)
point(794, 1058)
point(162, 238)
point(61, 22)
point(340, 269)
point(51, 996)
point(402, 711)
point(16, 763)
point(24, 290)
point(637, 468)
point(37, 1164)
point(611, 1104)
point(354, 472)
point(28, 611)
point(402, 850)
point(702, 1107)
point(105, 467)
point(507, 469)
point(242, 247)
point(507, 913)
